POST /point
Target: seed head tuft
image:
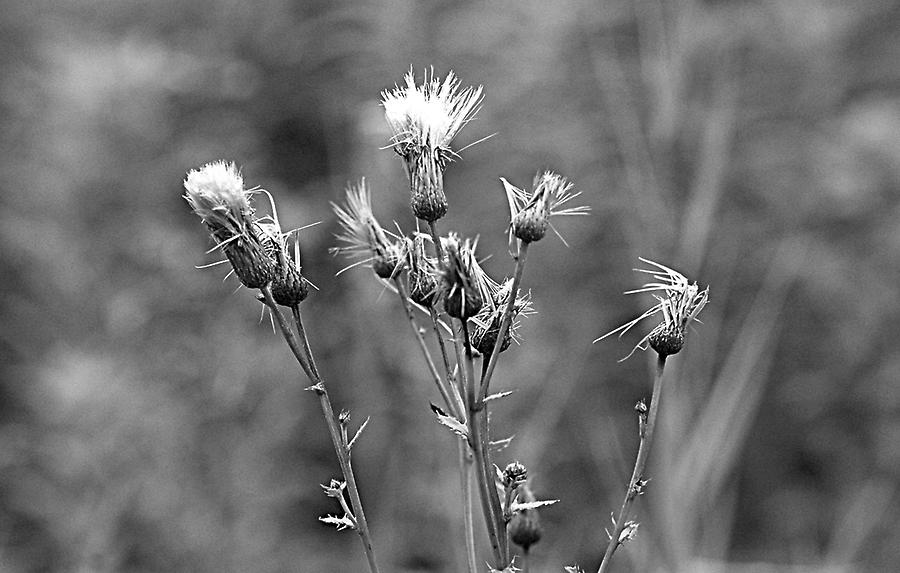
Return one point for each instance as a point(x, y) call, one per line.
point(216, 194)
point(363, 236)
point(680, 306)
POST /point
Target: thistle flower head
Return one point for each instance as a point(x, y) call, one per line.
point(363, 236)
point(426, 118)
point(530, 212)
point(680, 303)
point(464, 285)
point(486, 323)
point(216, 194)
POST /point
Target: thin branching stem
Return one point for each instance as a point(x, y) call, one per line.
point(298, 320)
point(341, 448)
point(438, 248)
point(505, 321)
point(640, 463)
point(454, 405)
point(451, 403)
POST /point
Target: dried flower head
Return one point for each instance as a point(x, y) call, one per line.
point(216, 194)
point(530, 212)
point(680, 305)
point(486, 324)
point(363, 236)
point(464, 285)
point(424, 119)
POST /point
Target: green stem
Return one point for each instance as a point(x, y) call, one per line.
point(639, 464)
point(340, 447)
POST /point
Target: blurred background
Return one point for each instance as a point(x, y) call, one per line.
point(150, 421)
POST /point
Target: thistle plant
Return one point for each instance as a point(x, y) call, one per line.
point(679, 303)
point(257, 250)
point(471, 318)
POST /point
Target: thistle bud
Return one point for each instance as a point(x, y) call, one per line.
point(484, 340)
point(386, 259)
point(666, 339)
point(525, 527)
point(251, 264)
point(289, 287)
point(422, 287)
point(514, 475)
point(426, 185)
point(462, 291)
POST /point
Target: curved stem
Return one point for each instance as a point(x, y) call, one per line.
point(646, 430)
point(341, 448)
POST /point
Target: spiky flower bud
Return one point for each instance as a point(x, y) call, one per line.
point(250, 262)
point(423, 287)
point(525, 527)
point(216, 194)
point(363, 236)
point(514, 475)
point(461, 283)
point(666, 339)
point(680, 306)
point(387, 260)
point(530, 212)
point(487, 322)
point(289, 287)
point(426, 185)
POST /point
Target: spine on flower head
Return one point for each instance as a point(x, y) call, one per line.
point(216, 194)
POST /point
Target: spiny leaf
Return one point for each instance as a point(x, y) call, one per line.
point(455, 425)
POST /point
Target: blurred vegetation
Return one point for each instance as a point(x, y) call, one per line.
point(150, 422)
